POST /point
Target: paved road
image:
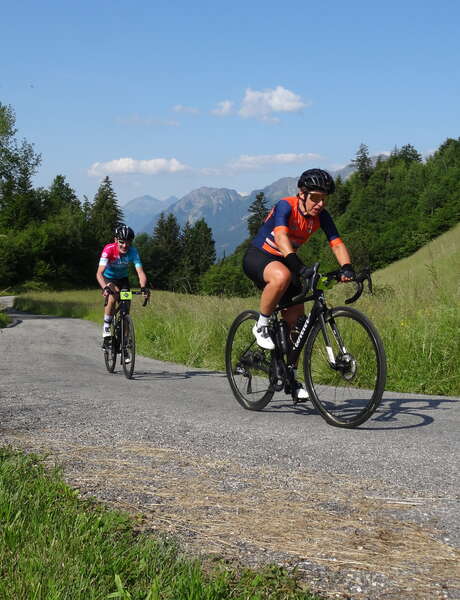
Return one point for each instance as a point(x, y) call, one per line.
point(175, 444)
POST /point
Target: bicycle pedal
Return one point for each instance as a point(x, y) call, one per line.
point(296, 401)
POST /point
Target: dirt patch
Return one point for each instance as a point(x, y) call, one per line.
point(347, 537)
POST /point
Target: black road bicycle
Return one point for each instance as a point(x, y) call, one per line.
point(123, 337)
point(344, 360)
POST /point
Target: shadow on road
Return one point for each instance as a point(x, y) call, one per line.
point(155, 376)
point(393, 413)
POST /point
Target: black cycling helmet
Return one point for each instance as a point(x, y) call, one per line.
point(317, 180)
point(124, 233)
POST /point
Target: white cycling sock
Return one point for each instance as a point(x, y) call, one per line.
point(263, 320)
point(106, 327)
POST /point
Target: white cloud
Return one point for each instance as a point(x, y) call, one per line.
point(153, 166)
point(180, 108)
point(223, 108)
point(247, 162)
point(261, 104)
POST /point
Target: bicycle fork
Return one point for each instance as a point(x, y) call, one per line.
point(343, 362)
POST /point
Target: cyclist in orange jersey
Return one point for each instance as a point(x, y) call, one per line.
point(271, 261)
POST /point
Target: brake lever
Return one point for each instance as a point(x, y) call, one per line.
point(365, 275)
point(309, 283)
point(357, 294)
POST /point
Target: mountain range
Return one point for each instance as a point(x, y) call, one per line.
point(223, 209)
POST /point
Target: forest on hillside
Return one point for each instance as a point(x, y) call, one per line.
point(49, 238)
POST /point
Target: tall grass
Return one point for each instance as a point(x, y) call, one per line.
point(55, 546)
point(4, 319)
point(415, 308)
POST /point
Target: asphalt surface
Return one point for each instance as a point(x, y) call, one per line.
point(54, 387)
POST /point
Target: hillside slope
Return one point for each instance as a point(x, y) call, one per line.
point(437, 265)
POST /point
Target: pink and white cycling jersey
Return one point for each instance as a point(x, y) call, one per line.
point(117, 264)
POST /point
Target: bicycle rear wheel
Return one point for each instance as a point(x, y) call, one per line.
point(247, 365)
point(110, 355)
point(345, 376)
point(128, 346)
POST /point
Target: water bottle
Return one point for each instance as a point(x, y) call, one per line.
point(283, 336)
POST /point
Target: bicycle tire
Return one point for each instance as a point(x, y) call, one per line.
point(128, 346)
point(110, 355)
point(247, 365)
point(348, 394)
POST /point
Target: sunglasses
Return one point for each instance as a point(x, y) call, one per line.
point(317, 198)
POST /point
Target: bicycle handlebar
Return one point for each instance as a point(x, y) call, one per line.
point(359, 280)
point(315, 281)
point(146, 300)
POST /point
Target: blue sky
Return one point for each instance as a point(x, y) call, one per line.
point(168, 96)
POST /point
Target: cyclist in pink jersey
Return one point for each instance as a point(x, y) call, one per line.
point(112, 273)
point(271, 261)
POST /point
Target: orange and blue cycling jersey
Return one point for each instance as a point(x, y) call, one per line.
point(117, 264)
point(286, 216)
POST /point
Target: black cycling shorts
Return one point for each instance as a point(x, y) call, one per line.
point(254, 262)
point(122, 284)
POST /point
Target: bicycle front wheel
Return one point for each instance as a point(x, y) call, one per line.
point(128, 346)
point(247, 365)
point(110, 354)
point(345, 367)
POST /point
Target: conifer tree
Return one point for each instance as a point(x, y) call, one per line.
point(198, 254)
point(105, 213)
point(59, 196)
point(257, 213)
point(166, 252)
point(363, 163)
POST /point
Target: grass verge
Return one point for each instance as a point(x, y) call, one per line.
point(4, 319)
point(55, 546)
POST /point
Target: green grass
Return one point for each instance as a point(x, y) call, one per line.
point(4, 319)
point(416, 309)
point(55, 546)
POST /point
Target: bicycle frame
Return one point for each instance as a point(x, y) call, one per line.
point(317, 312)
